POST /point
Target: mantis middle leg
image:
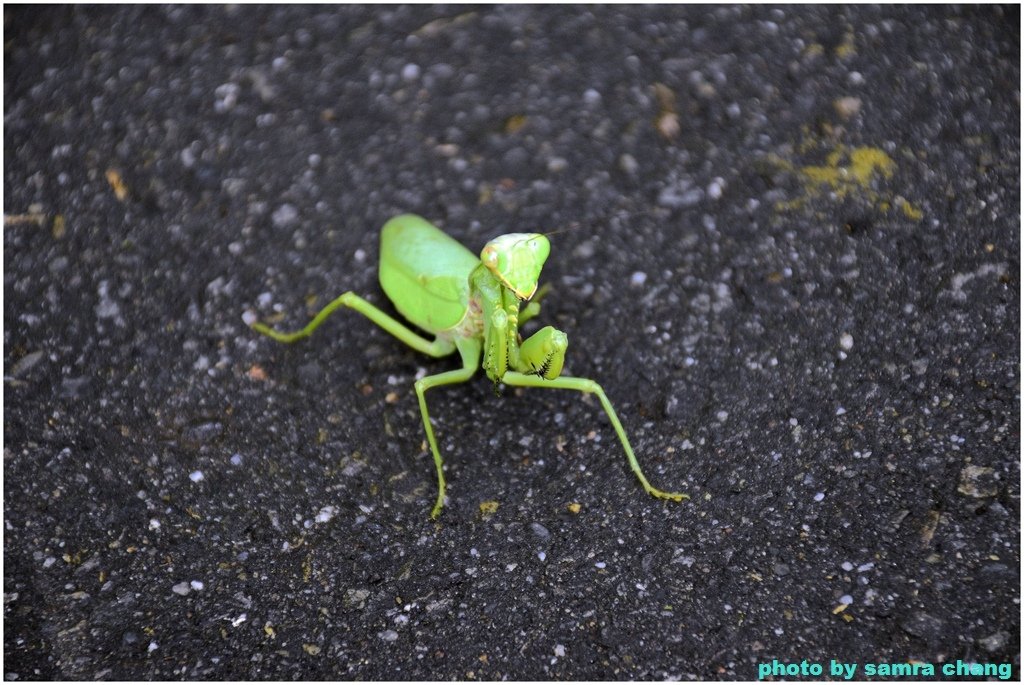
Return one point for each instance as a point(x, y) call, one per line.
point(439, 347)
point(587, 385)
point(469, 349)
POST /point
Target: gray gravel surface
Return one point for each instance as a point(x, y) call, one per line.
point(792, 260)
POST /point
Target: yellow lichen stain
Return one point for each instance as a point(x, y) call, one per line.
point(909, 210)
point(863, 165)
point(515, 122)
point(856, 172)
point(848, 48)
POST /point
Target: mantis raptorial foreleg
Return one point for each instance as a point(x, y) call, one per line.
point(469, 348)
point(439, 347)
point(587, 385)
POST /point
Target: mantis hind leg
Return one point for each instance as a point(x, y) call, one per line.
point(587, 385)
point(438, 347)
point(469, 348)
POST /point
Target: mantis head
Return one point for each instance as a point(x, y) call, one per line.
point(516, 259)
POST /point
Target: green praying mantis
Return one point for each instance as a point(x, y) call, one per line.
point(471, 306)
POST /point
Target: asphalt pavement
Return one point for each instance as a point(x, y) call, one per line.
point(786, 241)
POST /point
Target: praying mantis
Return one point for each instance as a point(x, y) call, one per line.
point(470, 306)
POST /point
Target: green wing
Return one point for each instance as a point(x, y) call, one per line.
point(425, 272)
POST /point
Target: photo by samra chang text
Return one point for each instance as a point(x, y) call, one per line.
point(907, 669)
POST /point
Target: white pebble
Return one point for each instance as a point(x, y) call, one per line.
point(638, 279)
point(196, 476)
point(236, 459)
point(820, 496)
point(152, 646)
point(181, 589)
point(591, 96)
point(154, 524)
point(600, 564)
point(326, 513)
point(542, 555)
point(846, 341)
point(559, 650)
point(846, 599)
point(840, 411)
point(715, 188)
point(556, 164)
point(847, 566)
point(410, 72)
point(285, 215)
point(197, 585)
point(628, 163)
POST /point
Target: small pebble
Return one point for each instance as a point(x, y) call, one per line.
point(995, 641)
point(847, 107)
point(628, 164)
point(978, 481)
point(388, 635)
point(557, 164)
point(236, 459)
point(197, 585)
point(559, 650)
point(846, 599)
point(542, 555)
point(196, 476)
point(540, 531)
point(326, 513)
point(285, 215)
point(638, 279)
point(600, 564)
point(181, 589)
point(714, 190)
point(410, 72)
point(820, 496)
point(846, 341)
point(847, 566)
